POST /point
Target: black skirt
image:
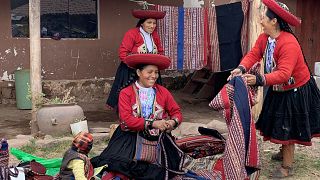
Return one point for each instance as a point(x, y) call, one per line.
point(291, 117)
point(124, 77)
point(119, 156)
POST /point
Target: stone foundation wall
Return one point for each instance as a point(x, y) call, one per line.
point(86, 90)
point(7, 92)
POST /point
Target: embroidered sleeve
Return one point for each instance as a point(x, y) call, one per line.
point(173, 108)
point(126, 45)
point(126, 115)
point(242, 68)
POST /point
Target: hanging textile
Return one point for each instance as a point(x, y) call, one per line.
point(168, 32)
point(183, 32)
point(196, 37)
point(213, 42)
point(228, 26)
point(241, 156)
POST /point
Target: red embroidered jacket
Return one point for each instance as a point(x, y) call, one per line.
point(165, 108)
point(288, 59)
point(133, 42)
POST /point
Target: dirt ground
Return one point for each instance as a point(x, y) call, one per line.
point(14, 121)
point(307, 159)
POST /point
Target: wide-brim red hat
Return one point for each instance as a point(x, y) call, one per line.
point(161, 61)
point(283, 13)
point(146, 14)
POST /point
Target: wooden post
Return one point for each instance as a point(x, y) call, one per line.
point(255, 29)
point(35, 58)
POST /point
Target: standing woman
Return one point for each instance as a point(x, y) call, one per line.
point(141, 39)
point(290, 113)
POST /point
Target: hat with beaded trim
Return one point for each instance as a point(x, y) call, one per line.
point(161, 61)
point(282, 11)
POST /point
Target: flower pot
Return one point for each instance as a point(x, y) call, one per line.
point(77, 127)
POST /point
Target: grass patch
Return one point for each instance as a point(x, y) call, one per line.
point(52, 150)
point(30, 148)
point(56, 149)
point(304, 166)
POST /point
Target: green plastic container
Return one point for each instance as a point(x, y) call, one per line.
point(22, 79)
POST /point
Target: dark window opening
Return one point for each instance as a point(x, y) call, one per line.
point(65, 18)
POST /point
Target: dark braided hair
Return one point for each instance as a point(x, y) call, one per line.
point(141, 21)
point(284, 26)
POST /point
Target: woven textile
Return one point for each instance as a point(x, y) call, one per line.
point(201, 146)
point(146, 150)
point(241, 157)
point(4, 153)
point(214, 56)
point(213, 41)
point(200, 175)
point(183, 33)
point(168, 32)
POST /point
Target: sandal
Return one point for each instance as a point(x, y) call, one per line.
point(282, 172)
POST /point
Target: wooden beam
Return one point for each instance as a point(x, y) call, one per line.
point(35, 58)
point(255, 29)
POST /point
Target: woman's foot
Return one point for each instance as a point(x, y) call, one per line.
point(282, 172)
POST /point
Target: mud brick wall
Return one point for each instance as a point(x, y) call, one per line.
point(90, 90)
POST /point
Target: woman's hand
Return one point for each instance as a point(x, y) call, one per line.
point(251, 79)
point(171, 124)
point(235, 72)
point(162, 125)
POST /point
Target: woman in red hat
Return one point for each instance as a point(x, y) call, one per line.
point(290, 113)
point(141, 39)
point(142, 146)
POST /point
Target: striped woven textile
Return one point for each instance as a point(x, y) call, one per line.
point(183, 32)
point(168, 32)
point(4, 153)
point(201, 146)
point(241, 156)
point(200, 175)
point(213, 42)
point(146, 150)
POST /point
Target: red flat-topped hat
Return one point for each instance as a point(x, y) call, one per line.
point(282, 11)
point(146, 14)
point(161, 61)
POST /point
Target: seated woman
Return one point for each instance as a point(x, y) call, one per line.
point(142, 146)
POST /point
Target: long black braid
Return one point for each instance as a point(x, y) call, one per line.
point(284, 26)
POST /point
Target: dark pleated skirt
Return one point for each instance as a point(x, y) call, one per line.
point(291, 117)
point(119, 156)
point(124, 77)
